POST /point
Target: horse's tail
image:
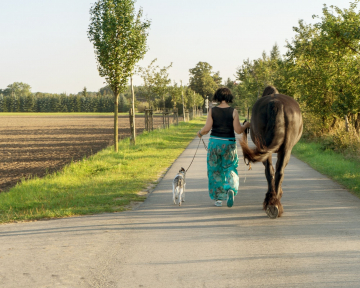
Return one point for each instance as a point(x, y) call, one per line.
point(272, 139)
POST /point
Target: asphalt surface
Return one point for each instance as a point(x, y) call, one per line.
point(315, 244)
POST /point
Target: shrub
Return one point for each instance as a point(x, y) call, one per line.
point(142, 106)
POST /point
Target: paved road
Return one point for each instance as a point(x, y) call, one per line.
point(315, 244)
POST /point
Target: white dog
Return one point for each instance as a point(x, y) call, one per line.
point(179, 187)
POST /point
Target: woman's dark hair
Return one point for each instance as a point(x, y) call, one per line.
point(223, 94)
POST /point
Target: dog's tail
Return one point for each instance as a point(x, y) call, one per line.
point(273, 137)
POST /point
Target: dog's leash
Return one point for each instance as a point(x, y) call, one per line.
point(196, 152)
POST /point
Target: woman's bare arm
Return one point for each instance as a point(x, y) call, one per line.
point(238, 128)
point(208, 125)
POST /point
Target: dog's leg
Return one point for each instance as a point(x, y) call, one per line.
point(180, 195)
point(183, 194)
point(174, 191)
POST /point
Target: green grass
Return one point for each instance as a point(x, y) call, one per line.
point(335, 165)
point(105, 182)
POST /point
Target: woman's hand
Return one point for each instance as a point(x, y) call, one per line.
point(199, 134)
point(246, 124)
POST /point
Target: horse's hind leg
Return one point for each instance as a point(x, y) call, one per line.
point(271, 202)
point(281, 163)
point(270, 174)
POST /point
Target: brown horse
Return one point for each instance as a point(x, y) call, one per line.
point(276, 126)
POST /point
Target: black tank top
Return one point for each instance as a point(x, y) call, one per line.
point(223, 122)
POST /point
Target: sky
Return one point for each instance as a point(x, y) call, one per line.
point(44, 43)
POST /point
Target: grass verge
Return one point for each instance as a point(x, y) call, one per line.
point(105, 182)
point(336, 166)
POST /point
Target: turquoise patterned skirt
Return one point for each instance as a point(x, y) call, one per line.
point(222, 161)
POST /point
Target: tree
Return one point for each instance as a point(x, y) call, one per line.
point(161, 82)
point(325, 59)
point(217, 78)
point(29, 105)
point(2, 102)
point(254, 76)
point(106, 90)
point(203, 81)
point(176, 94)
point(119, 39)
point(17, 89)
point(84, 92)
point(155, 82)
point(147, 74)
point(192, 99)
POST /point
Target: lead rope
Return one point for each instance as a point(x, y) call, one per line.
point(196, 152)
point(250, 168)
point(247, 164)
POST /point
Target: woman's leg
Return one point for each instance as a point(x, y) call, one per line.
point(229, 165)
point(216, 175)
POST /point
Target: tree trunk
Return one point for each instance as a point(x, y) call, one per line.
point(346, 123)
point(357, 124)
point(182, 98)
point(132, 126)
point(132, 121)
point(333, 123)
point(116, 127)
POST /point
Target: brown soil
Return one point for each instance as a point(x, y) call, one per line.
point(39, 144)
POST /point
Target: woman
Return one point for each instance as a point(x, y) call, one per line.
point(222, 158)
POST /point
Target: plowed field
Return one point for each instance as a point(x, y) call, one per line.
point(37, 144)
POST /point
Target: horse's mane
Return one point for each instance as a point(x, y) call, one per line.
point(270, 90)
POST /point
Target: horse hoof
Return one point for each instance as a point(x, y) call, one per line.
point(272, 211)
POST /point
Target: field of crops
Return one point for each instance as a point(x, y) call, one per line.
point(37, 144)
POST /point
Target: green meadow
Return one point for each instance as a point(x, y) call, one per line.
point(105, 182)
point(343, 170)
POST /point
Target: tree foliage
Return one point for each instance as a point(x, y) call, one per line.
point(161, 82)
point(320, 69)
point(119, 38)
point(155, 82)
point(254, 76)
point(324, 60)
point(203, 80)
point(147, 75)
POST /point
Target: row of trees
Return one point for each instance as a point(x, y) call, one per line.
point(22, 99)
point(158, 91)
point(17, 97)
point(320, 69)
point(43, 102)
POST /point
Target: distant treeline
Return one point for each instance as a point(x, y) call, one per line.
point(42, 102)
point(17, 97)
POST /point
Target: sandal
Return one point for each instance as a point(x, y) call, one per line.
point(230, 198)
point(218, 203)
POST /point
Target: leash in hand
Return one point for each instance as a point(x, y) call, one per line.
point(196, 152)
